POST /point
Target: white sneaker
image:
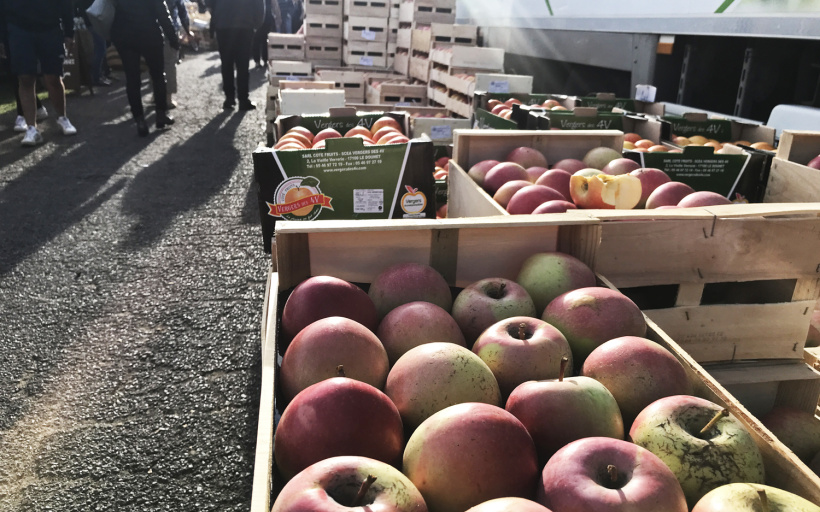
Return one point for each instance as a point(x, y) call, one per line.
point(42, 113)
point(20, 124)
point(67, 127)
point(32, 137)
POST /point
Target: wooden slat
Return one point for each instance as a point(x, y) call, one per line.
point(798, 146)
point(689, 294)
point(444, 252)
point(807, 289)
point(292, 259)
point(466, 199)
point(791, 183)
point(731, 332)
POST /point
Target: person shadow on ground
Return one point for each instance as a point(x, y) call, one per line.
point(185, 178)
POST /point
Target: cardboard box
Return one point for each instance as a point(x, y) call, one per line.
point(286, 47)
point(331, 7)
point(428, 11)
point(323, 49)
point(365, 54)
point(347, 180)
point(722, 130)
point(351, 81)
point(323, 25)
point(395, 92)
point(369, 8)
point(309, 101)
point(425, 36)
point(366, 30)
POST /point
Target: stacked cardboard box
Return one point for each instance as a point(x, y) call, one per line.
point(323, 32)
point(365, 33)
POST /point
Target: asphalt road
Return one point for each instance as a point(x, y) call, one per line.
point(132, 278)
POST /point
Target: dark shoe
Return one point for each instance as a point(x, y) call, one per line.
point(228, 104)
point(142, 127)
point(247, 105)
point(164, 120)
point(103, 82)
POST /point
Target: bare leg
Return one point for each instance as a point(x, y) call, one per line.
point(28, 97)
point(56, 92)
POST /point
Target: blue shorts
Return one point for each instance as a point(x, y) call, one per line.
point(27, 49)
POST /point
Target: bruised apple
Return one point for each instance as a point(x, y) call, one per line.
point(409, 282)
point(622, 192)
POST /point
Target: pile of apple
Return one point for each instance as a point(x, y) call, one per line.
point(523, 183)
point(504, 108)
point(384, 130)
point(404, 398)
point(636, 142)
point(700, 140)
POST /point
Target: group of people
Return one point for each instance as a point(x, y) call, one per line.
point(37, 35)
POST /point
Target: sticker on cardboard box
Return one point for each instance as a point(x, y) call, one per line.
point(366, 61)
point(499, 86)
point(368, 35)
point(368, 200)
point(441, 132)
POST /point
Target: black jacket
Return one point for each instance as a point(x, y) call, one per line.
point(141, 22)
point(247, 14)
point(37, 15)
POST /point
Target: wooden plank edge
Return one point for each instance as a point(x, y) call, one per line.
point(262, 467)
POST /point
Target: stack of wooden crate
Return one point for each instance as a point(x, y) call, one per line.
point(461, 61)
point(392, 31)
point(286, 47)
point(419, 15)
point(365, 33)
point(323, 32)
point(426, 39)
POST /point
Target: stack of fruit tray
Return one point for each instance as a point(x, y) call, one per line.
point(464, 251)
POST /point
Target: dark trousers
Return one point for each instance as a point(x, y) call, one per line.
point(235, 53)
point(130, 53)
point(260, 40)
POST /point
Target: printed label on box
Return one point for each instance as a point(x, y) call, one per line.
point(499, 86)
point(366, 61)
point(369, 200)
point(293, 78)
point(645, 92)
point(368, 35)
point(441, 132)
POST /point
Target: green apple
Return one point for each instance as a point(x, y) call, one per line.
point(742, 497)
point(547, 275)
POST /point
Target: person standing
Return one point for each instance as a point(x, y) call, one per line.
point(260, 38)
point(39, 32)
point(235, 22)
point(137, 32)
point(179, 17)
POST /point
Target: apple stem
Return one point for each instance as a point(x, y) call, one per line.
point(340, 370)
point(522, 331)
point(563, 369)
point(764, 500)
point(613, 473)
point(363, 490)
point(720, 414)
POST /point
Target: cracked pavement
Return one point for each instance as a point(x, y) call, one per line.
point(132, 280)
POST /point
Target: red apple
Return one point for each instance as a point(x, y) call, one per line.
point(383, 122)
point(556, 179)
point(814, 163)
point(332, 485)
point(621, 192)
point(632, 137)
point(536, 172)
point(316, 353)
point(323, 296)
point(414, 324)
point(554, 207)
point(480, 170)
point(506, 191)
point(469, 453)
point(384, 132)
point(509, 505)
point(485, 302)
point(620, 166)
point(512, 101)
point(799, 430)
point(571, 165)
point(498, 109)
point(338, 416)
point(529, 198)
point(637, 372)
point(600, 474)
point(651, 179)
point(443, 162)
point(433, 376)
point(301, 130)
point(359, 130)
point(409, 282)
point(527, 157)
point(674, 429)
point(522, 348)
point(668, 194)
point(597, 158)
point(501, 174)
point(327, 133)
point(588, 317)
point(547, 275)
point(703, 198)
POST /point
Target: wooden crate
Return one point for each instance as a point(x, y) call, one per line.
point(395, 92)
point(798, 146)
point(366, 30)
point(468, 57)
point(324, 25)
point(351, 81)
point(438, 96)
point(286, 47)
point(427, 11)
point(401, 62)
point(790, 180)
point(310, 101)
point(812, 357)
point(404, 38)
point(424, 36)
point(419, 66)
point(463, 252)
point(321, 50)
point(414, 111)
point(365, 54)
point(369, 8)
point(460, 105)
point(392, 30)
point(331, 7)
